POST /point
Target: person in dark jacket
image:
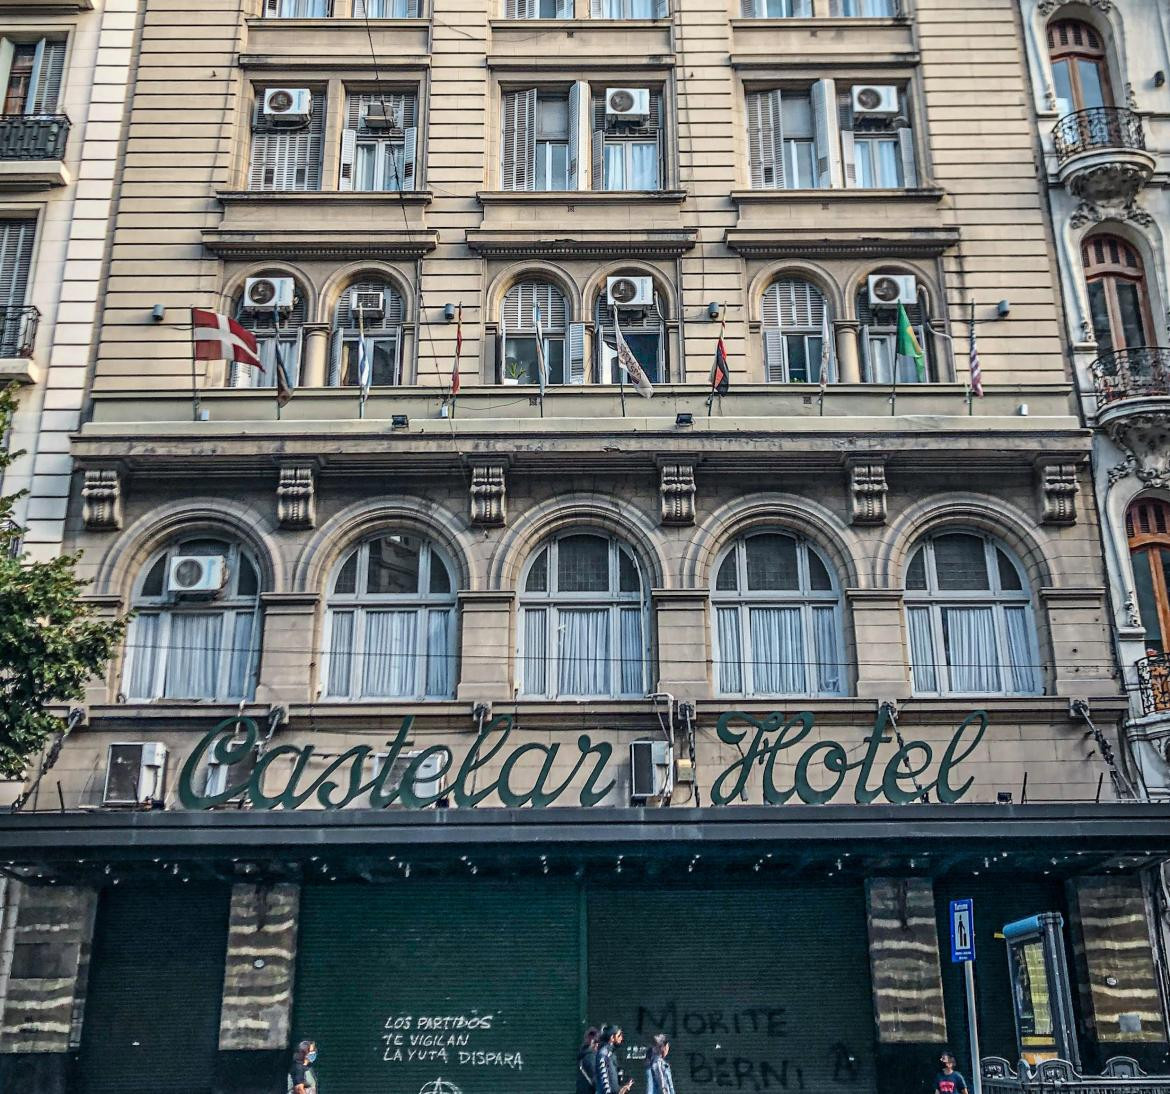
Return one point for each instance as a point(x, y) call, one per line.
point(659, 1080)
point(605, 1067)
point(585, 1060)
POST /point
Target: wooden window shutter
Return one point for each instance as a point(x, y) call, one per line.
point(46, 85)
point(765, 140)
point(16, 250)
point(828, 150)
point(348, 154)
point(774, 356)
point(7, 49)
point(409, 155)
point(518, 166)
point(578, 94)
point(751, 9)
point(596, 9)
point(576, 374)
point(909, 160)
point(598, 159)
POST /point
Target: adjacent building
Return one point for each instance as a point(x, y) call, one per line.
point(457, 717)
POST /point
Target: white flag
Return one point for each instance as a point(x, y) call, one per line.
point(629, 362)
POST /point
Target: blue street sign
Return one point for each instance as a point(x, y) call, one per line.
point(962, 930)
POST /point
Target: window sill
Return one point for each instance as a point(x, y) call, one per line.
point(823, 22)
point(25, 175)
point(315, 197)
point(926, 195)
point(19, 370)
point(581, 197)
point(577, 24)
point(332, 21)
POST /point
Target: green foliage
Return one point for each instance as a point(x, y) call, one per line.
point(50, 641)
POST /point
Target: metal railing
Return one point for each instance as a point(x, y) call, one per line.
point(1121, 1075)
point(1131, 374)
point(18, 331)
point(1096, 128)
point(1153, 673)
point(33, 136)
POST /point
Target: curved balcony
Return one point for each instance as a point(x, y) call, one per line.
point(1142, 372)
point(1153, 675)
point(1101, 153)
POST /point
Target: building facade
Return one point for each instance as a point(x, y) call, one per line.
point(448, 724)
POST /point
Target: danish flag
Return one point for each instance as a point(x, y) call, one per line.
point(218, 338)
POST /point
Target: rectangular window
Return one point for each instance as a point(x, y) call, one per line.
point(386, 9)
point(540, 138)
point(30, 75)
point(877, 162)
point(538, 9)
point(379, 142)
point(552, 143)
point(788, 138)
point(627, 155)
point(299, 9)
point(629, 9)
point(382, 353)
point(877, 149)
point(16, 251)
point(287, 158)
point(863, 9)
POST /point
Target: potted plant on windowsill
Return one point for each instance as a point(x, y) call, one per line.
point(514, 372)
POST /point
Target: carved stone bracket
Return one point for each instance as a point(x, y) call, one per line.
point(101, 499)
point(1145, 438)
point(677, 493)
point(1056, 481)
point(1047, 7)
point(1127, 208)
point(489, 494)
point(296, 497)
point(866, 481)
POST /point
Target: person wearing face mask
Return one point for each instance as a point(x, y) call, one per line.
point(302, 1077)
point(659, 1079)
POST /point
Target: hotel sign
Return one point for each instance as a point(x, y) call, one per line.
point(536, 774)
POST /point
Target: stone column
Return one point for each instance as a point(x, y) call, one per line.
point(848, 360)
point(486, 657)
point(100, 689)
point(315, 372)
point(883, 667)
point(290, 658)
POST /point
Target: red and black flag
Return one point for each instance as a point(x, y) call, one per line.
point(720, 373)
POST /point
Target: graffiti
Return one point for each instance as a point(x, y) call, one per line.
point(741, 1073)
point(442, 1039)
point(760, 1021)
point(439, 1086)
point(819, 770)
point(845, 1065)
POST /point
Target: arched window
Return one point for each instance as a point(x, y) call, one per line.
point(583, 620)
point(642, 326)
point(391, 623)
point(372, 310)
point(196, 629)
point(1118, 300)
point(1147, 527)
point(969, 613)
point(277, 330)
point(795, 324)
point(1079, 74)
point(535, 322)
point(884, 360)
point(777, 619)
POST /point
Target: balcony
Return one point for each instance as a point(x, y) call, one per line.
point(1121, 1074)
point(1142, 372)
point(32, 151)
point(1101, 153)
point(18, 335)
point(1153, 675)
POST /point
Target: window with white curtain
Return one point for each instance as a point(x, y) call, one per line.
point(583, 620)
point(278, 340)
point(793, 313)
point(969, 618)
point(203, 646)
point(390, 626)
point(777, 619)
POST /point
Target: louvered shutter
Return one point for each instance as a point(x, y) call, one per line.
point(564, 9)
point(596, 9)
point(45, 85)
point(520, 9)
point(348, 154)
point(793, 304)
point(828, 153)
point(597, 173)
point(848, 151)
point(774, 357)
point(909, 163)
point(7, 49)
point(577, 94)
point(272, 8)
point(765, 140)
point(751, 9)
point(16, 249)
point(519, 140)
point(576, 372)
point(287, 160)
point(409, 154)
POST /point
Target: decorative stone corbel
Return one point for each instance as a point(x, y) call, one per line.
point(101, 499)
point(296, 497)
point(489, 492)
point(1145, 438)
point(1056, 481)
point(676, 490)
point(866, 481)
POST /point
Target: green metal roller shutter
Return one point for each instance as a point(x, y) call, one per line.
point(155, 985)
point(397, 983)
point(758, 988)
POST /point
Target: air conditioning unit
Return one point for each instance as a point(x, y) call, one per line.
point(221, 776)
point(197, 575)
point(630, 293)
point(627, 104)
point(288, 107)
point(875, 101)
point(371, 304)
point(135, 773)
point(651, 769)
point(268, 294)
point(890, 290)
point(381, 115)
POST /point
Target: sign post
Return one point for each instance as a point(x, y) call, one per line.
point(963, 950)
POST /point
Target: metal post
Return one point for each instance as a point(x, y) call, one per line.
point(973, 1027)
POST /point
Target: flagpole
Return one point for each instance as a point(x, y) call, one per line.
point(194, 376)
point(276, 361)
point(618, 362)
point(970, 378)
point(361, 356)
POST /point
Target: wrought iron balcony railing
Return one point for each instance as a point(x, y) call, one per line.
point(18, 331)
point(1131, 374)
point(1153, 674)
point(1097, 128)
point(33, 136)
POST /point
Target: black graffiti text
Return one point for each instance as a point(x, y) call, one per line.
point(761, 1021)
point(741, 1073)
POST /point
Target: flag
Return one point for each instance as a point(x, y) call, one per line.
point(908, 351)
point(458, 350)
point(363, 361)
point(284, 388)
point(975, 366)
point(826, 348)
point(629, 362)
point(541, 364)
point(218, 338)
point(720, 374)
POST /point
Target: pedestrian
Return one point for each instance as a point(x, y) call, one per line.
point(302, 1077)
point(585, 1058)
point(659, 1079)
point(605, 1067)
point(949, 1081)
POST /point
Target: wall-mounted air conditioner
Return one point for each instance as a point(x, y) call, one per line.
point(370, 304)
point(890, 290)
point(651, 769)
point(288, 107)
point(627, 104)
point(264, 295)
point(135, 773)
point(197, 575)
point(630, 293)
point(875, 101)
